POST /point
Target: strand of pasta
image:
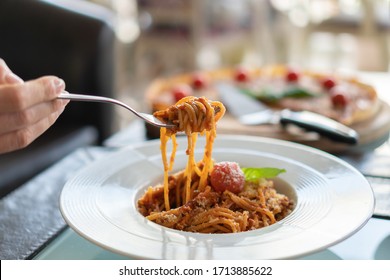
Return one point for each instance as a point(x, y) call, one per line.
point(206, 160)
point(188, 173)
point(164, 139)
point(196, 166)
point(173, 153)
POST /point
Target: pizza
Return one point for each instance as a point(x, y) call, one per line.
point(342, 98)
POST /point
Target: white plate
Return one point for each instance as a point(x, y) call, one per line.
point(333, 201)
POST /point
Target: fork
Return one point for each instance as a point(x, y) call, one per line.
point(93, 98)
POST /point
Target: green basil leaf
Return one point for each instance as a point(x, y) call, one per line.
point(254, 174)
point(271, 95)
point(298, 93)
point(262, 95)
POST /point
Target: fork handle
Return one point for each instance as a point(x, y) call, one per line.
point(84, 97)
point(94, 98)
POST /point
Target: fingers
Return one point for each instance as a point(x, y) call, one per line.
point(6, 75)
point(18, 97)
point(22, 96)
point(21, 138)
point(18, 120)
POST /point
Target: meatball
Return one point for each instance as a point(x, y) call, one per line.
point(227, 176)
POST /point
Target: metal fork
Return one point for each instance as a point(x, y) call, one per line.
point(93, 98)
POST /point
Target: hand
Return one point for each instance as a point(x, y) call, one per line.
point(27, 109)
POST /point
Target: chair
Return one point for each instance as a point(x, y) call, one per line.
point(75, 41)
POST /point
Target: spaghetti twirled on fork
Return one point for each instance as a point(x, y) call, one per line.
point(186, 200)
point(193, 116)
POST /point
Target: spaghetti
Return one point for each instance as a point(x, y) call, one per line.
point(187, 200)
point(193, 116)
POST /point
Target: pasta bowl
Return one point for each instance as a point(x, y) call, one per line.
point(332, 202)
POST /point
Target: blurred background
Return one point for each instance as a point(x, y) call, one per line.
point(156, 38)
point(165, 37)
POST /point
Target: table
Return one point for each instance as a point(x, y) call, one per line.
point(31, 225)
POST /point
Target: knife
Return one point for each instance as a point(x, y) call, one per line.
point(250, 111)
